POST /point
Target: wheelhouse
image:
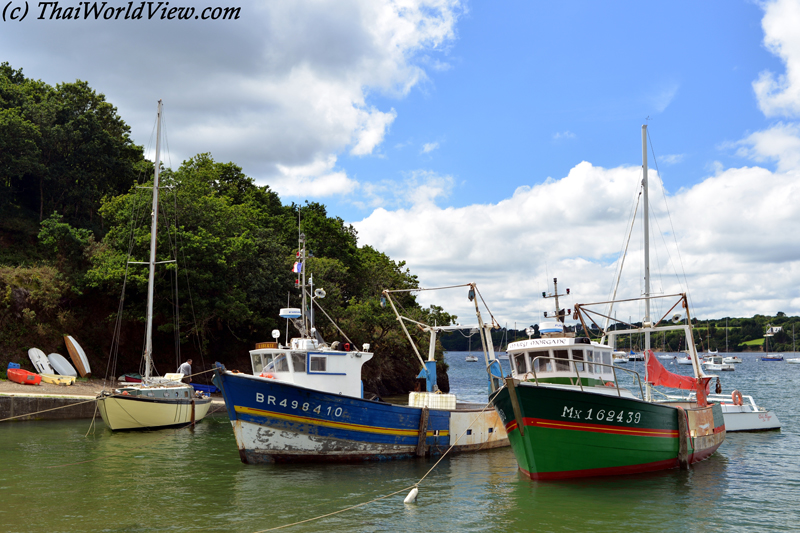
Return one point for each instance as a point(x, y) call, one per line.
point(310, 364)
point(560, 360)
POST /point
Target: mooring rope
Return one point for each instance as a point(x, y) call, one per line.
point(410, 487)
point(47, 410)
point(78, 403)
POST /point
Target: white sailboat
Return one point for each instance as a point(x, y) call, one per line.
point(156, 402)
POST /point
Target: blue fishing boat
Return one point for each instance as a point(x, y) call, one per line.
point(305, 402)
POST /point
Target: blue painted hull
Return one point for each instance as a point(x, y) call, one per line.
point(274, 421)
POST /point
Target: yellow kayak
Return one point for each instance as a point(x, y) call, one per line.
point(58, 380)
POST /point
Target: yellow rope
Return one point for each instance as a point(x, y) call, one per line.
point(337, 512)
point(387, 495)
point(74, 404)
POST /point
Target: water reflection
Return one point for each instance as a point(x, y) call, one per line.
point(193, 481)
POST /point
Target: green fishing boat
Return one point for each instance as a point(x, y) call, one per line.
point(568, 412)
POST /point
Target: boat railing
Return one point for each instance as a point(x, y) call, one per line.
point(635, 375)
point(692, 397)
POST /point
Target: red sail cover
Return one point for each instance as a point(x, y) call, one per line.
point(659, 376)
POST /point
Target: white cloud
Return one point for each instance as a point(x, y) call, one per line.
point(564, 135)
point(371, 130)
point(429, 147)
point(661, 99)
point(420, 187)
point(671, 159)
point(284, 87)
point(573, 228)
point(780, 95)
point(780, 143)
point(317, 179)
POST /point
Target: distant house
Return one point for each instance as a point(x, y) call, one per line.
point(774, 329)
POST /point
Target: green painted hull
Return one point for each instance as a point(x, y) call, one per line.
point(572, 433)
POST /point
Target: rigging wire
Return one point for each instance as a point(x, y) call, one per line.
point(138, 212)
point(672, 226)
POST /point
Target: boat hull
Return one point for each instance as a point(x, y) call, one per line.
point(23, 377)
point(569, 433)
point(274, 421)
point(55, 379)
point(78, 356)
point(121, 412)
point(744, 418)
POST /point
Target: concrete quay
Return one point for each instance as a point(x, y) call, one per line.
point(57, 402)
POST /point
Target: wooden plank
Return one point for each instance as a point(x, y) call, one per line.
point(423, 432)
point(511, 385)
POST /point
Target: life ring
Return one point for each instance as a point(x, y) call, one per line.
point(269, 376)
point(736, 396)
point(610, 384)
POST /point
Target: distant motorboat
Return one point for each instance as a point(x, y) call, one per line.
point(795, 361)
point(620, 358)
point(733, 359)
point(636, 357)
point(471, 359)
point(716, 364)
point(741, 412)
point(683, 360)
point(768, 356)
point(666, 356)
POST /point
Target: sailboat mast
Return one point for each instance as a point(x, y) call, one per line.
point(148, 347)
point(646, 214)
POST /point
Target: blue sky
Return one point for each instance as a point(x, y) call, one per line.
point(533, 88)
point(496, 142)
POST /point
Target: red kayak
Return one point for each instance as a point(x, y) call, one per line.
point(23, 376)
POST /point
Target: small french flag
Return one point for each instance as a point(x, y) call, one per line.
point(298, 266)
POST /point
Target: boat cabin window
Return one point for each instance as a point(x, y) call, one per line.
point(258, 366)
point(298, 361)
point(589, 359)
point(276, 362)
point(519, 363)
point(562, 360)
point(542, 363)
point(577, 357)
point(607, 361)
point(317, 363)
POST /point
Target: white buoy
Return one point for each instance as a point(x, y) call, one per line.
point(412, 496)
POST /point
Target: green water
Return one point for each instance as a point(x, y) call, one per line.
point(192, 480)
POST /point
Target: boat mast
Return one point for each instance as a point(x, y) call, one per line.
point(646, 214)
point(148, 347)
point(303, 281)
point(559, 315)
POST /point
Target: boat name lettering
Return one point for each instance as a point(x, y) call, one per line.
point(627, 417)
point(294, 404)
point(540, 342)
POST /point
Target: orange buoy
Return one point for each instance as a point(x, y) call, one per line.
point(736, 396)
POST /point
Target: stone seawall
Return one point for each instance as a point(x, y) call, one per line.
point(42, 407)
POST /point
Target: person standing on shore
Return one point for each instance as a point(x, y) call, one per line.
point(186, 370)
